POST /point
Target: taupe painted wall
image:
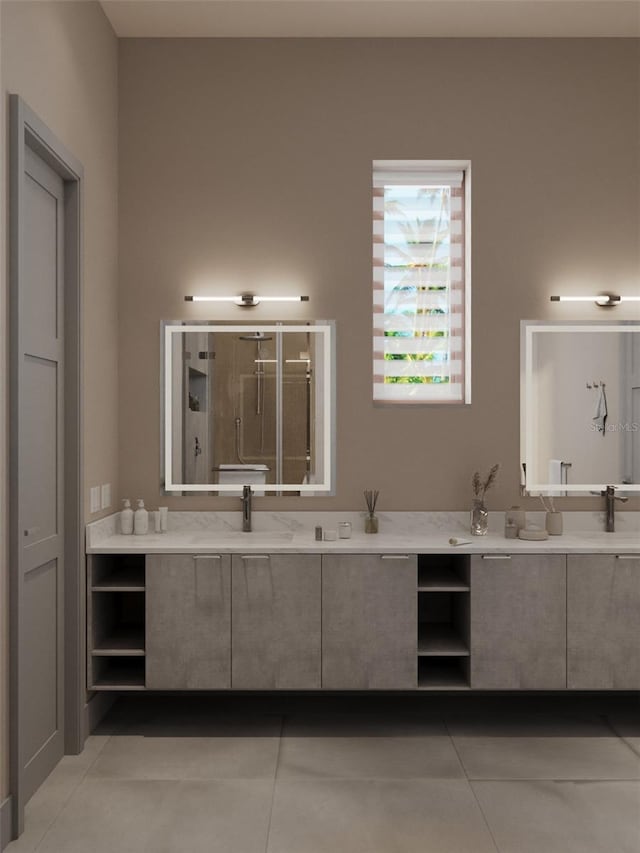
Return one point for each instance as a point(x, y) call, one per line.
point(246, 164)
point(62, 59)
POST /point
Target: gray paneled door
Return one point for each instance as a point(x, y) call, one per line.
point(369, 622)
point(40, 475)
point(519, 622)
point(276, 622)
point(603, 622)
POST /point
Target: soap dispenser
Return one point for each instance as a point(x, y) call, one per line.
point(141, 519)
point(126, 518)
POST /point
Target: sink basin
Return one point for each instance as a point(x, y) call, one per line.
point(237, 538)
point(260, 536)
point(627, 540)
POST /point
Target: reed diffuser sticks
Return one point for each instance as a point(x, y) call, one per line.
point(371, 497)
point(371, 521)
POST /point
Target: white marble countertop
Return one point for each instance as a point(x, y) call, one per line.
point(400, 533)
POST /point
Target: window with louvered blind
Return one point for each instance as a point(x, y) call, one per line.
point(421, 287)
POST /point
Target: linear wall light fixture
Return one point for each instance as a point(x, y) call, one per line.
point(246, 300)
point(604, 300)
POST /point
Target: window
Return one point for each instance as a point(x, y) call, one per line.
point(421, 294)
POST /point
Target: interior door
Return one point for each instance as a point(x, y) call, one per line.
point(631, 409)
point(39, 480)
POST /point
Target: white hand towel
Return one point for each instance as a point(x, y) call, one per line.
point(555, 475)
point(600, 414)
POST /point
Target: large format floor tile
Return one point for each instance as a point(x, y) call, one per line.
point(542, 747)
point(562, 817)
point(374, 816)
point(49, 800)
point(627, 725)
point(137, 757)
point(366, 748)
point(366, 774)
point(104, 816)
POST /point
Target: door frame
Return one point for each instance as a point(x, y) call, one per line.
point(27, 131)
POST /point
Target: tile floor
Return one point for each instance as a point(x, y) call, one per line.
point(359, 774)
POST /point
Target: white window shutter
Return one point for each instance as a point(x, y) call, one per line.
point(420, 333)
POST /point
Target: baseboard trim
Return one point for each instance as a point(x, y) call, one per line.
point(5, 823)
point(94, 710)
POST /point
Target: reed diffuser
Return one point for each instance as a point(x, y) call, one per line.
point(371, 520)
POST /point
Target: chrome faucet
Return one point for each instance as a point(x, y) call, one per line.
point(246, 509)
point(610, 499)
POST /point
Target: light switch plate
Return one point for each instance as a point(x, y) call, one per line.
point(105, 496)
point(95, 499)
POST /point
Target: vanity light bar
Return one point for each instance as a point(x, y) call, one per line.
point(604, 300)
point(246, 300)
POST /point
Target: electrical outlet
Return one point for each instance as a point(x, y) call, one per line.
point(95, 498)
point(105, 496)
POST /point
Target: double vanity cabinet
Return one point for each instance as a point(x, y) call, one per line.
point(350, 621)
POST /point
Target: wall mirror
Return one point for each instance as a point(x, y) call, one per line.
point(248, 404)
point(580, 407)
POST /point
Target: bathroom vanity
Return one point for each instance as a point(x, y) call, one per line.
point(192, 610)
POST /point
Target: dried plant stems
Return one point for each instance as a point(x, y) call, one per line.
point(477, 485)
point(480, 488)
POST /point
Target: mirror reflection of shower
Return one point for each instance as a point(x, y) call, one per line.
point(250, 405)
point(259, 338)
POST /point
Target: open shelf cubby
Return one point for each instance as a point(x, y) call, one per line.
point(443, 674)
point(443, 572)
point(443, 621)
point(116, 622)
point(117, 572)
point(118, 673)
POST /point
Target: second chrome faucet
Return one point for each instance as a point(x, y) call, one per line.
point(610, 498)
point(246, 509)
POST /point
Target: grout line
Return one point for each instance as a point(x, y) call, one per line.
point(471, 788)
point(555, 780)
point(71, 793)
point(455, 749)
point(275, 778)
point(610, 725)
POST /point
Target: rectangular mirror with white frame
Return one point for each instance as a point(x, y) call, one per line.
point(580, 407)
point(248, 404)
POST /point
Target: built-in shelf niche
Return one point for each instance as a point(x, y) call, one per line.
point(198, 391)
point(443, 621)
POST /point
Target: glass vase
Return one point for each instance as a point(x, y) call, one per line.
point(479, 519)
point(371, 523)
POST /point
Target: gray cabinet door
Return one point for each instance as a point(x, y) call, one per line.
point(369, 622)
point(188, 622)
point(603, 622)
point(276, 622)
point(518, 622)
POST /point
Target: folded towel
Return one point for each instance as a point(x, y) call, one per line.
point(600, 415)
